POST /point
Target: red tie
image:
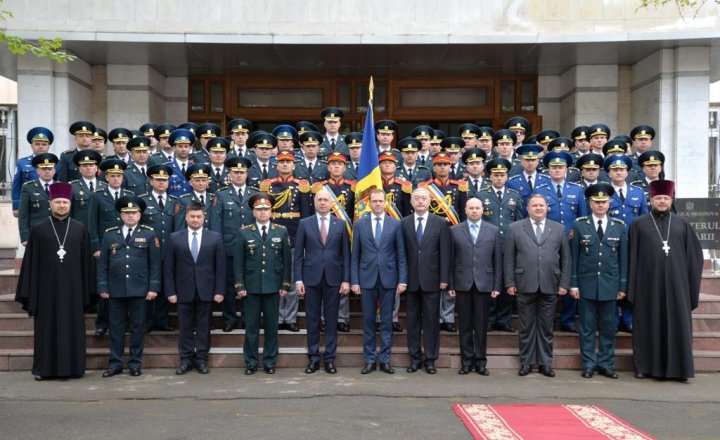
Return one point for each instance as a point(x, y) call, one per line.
point(323, 231)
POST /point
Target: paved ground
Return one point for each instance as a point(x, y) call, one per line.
point(292, 405)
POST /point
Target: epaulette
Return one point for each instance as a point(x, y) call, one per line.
point(70, 151)
point(186, 195)
point(422, 167)
point(276, 226)
point(246, 227)
point(223, 189)
point(322, 161)
point(636, 182)
point(74, 181)
point(265, 184)
point(405, 186)
point(573, 184)
point(30, 182)
point(617, 220)
point(251, 187)
point(113, 228)
point(317, 186)
point(149, 228)
point(515, 177)
point(510, 190)
point(144, 195)
point(424, 184)
point(461, 184)
point(352, 184)
point(303, 185)
point(583, 218)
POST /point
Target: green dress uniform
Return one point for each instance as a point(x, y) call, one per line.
point(600, 271)
point(67, 170)
point(34, 207)
point(102, 214)
point(80, 207)
point(262, 268)
point(207, 201)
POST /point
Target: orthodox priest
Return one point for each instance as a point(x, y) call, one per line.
point(666, 263)
point(57, 280)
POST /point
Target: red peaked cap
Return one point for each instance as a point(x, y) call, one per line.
point(60, 190)
point(662, 188)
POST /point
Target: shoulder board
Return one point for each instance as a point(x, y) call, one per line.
point(511, 191)
point(423, 184)
point(572, 184)
point(147, 227)
point(617, 220)
point(423, 167)
point(246, 227)
point(276, 226)
point(322, 161)
point(462, 185)
point(70, 151)
point(352, 184)
point(224, 189)
point(265, 184)
point(303, 185)
point(317, 186)
point(186, 196)
point(574, 168)
point(637, 183)
point(170, 197)
point(516, 176)
point(29, 182)
point(144, 195)
point(74, 181)
point(584, 217)
point(113, 228)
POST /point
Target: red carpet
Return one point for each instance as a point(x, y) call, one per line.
point(543, 422)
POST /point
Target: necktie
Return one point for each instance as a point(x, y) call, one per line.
point(323, 231)
point(378, 230)
point(218, 176)
point(600, 230)
point(264, 233)
point(332, 144)
point(183, 168)
point(264, 172)
point(194, 247)
point(409, 173)
point(161, 203)
point(47, 189)
point(202, 199)
point(538, 231)
point(422, 160)
point(357, 165)
point(419, 230)
point(127, 237)
point(474, 231)
point(559, 193)
point(239, 193)
point(310, 167)
point(452, 170)
point(475, 185)
point(499, 194)
point(142, 170)
point(530, 183)
point(92, 187)
point(117, 195)
point(622, 196)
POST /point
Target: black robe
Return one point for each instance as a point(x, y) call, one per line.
point(664, 290)
point(55, 294)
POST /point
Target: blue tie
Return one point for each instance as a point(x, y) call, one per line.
point(194, 248)
point(419, 230)
point(474, 231)
point(378, 230)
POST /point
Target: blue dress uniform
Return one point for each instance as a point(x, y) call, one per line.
point(24, 169)
point(34, 203)
point(519, 181)
point(67, 170)
point(232, 213)
point(81, 191)
point(128, 268)
point(262, 268)
point(599, 271)
point(178, 184)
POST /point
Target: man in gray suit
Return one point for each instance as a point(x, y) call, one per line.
point(476, 277)
point(537, 269)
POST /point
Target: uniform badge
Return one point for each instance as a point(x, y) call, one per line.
point(511, 202)
point(276, 239)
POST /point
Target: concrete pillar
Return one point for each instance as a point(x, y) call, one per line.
point(176, 99)
point(35, 93)
point(589, 96)
point(135, 95)
point(549, 100)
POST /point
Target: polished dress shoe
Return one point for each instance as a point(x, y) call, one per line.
point(448, 327)
point(639, 375)
point(396, 327)
point(110, 372)
point(368, 368)
point(464, 370)
point(282, 326)
point(228, 328)
point(343, 327)
point(38, 378)
point(587, 373)
point(482, 371)
point(568, 328)
point(330, 368)
point(546, 371)
point(413, 367)
point(135, 372)
point(524, 370)
point(202, 368)
point(386, 368)
point(322, 327)
point(184, 368)
point(292, 327)
point(250, 370)
point(100, 331)
point(504, 328)
point(165, 328)
point(430, 367)
point(269, 369)
point(607, 372)
point(312, 367)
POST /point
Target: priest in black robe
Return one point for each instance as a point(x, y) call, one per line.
point(57, 280)
point(666, 263)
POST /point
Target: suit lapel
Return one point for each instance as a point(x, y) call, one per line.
point(530, 230)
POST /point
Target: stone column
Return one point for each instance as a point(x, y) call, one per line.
point(589, 95)
point(549, 101)
point(135, 95)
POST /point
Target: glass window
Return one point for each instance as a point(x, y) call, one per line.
point(280, 98)
point(507, 93)
point(197, 97)
point(528, 96)
point(444, 97)
point(344, 97)
point(216, 97)
point(379, 97)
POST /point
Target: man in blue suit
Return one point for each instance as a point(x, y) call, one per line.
point(378, 243)
point(193, 277)
point(322, 274)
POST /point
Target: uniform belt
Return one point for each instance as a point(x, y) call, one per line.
point(286, 215)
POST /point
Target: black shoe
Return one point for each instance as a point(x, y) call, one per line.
point(250, 370)
point(184, 368)
point(639, 375)
point(587, 373)
point(165, 328)
point(464, 370)
point(202, 368)
point(368, 368)
point(386, 368)
point(448, 327)
point(483, 371)
point(608, 372)
point(292, 327)
point(38, 378)
point(546, 371)
point(413, 367)
point(330, 368)
point(568, 328)
point(343, 327)
point(100, 331)
point(312, 367)
point(282, 326)
point(269, 369)
point(524, 370)
point(504, 328)
point(110, 372)
point(322, 327)
point(228, 328)
point(396, 327)
point(135, 372)
point(430, 367)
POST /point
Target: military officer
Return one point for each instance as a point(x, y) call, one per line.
point(165, 149)
point(240, 132)
point(262, 168)
point(135, 178)
point(385, 133)
point(423, 133)
point(485, 141)
point(520, 126)
point(469, 133)
point(651, 162)
point(501, 206)
point(310, 167)
point(545, 137)
point(410, 170)
point(565, 144)
point(642, 139)
point(119, 138)
point(589, 165)
point(581, 143)
point(397, 190)
point(34, 203)
point(354, 144)
point(148, 130)
point(128, 274)
point(205, 132)
point(287, 139)
point(617, 146)
point(262, 274)
point(452, 146)
point(474, 160)
point(233, 212)
point(527, 180)
point(435, 148)
point(83, 131)
point(599, 135)
point(40, 139)
point(303, 126)
point(504, 141)
point(333, 140)
point(99, 141)
point(599, 248)
point(218, 148)
point(198, 177)
point(83, 188)
point(182, 140)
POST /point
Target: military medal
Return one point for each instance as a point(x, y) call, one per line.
point(61, 246)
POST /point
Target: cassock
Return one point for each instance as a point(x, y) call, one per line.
point(664, 289)
point(55, 293)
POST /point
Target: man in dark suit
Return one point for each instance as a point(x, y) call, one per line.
point(537, 269)
point(427, 245)
point(476, 277)
point(379, 268)
point(194, 276)
point(322, 274)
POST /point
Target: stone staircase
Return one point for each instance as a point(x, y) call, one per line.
point(16, 340)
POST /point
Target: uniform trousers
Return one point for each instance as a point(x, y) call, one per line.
point(120, 312)
point(288, 305)
point(255, 304)
point(600, 316)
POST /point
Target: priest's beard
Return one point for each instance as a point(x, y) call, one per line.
point(660, 212)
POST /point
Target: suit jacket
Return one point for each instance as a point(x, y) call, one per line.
point(478, 262)
point(428, 261)
point(530, 265)
point(368, 257)
point(313, 259)
point(183, 277)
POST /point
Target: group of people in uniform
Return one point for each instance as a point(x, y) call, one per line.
point(270, 217)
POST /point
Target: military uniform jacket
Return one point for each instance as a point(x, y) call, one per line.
point(351, 173)
point(518, 182)
point(67, 171)
point(459, 172)
point(134, 180)
point(340, 145)
point(159, 158)
point(177, 184)
point(102, 214)
point(218, 182)
point(501, 212)
point(635, 205)
point(24, 172)
point(344, 191)
point(262, 266)
point(200, 156)
point(232, 213)
point(255, 177)
point(163, 222)
point(599, 267)
point(483, 183)
point(397, 194)
point(293, 201)
point(186, 199)
point(129, 269)
point(34, 207)
point(565, 209)
point(319, 172)
point(419, 174)
point(80, 207)
point(235, 151)
point(455, 194)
